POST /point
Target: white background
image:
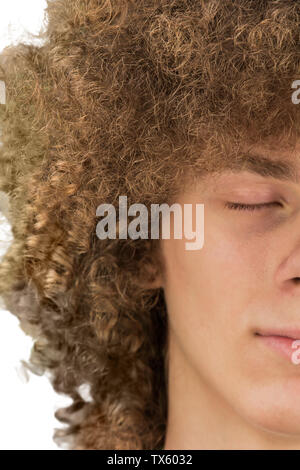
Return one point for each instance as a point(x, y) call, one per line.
point(27, 404)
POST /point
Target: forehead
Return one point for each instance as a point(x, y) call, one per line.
point(259, 162)
point(277, 152)
point(282, 163)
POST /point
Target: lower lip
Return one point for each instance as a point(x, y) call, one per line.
point(283, 345)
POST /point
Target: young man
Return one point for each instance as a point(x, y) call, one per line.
point(233, 383)
point(191, 102)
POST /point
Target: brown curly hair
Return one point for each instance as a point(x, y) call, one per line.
point(124, 97)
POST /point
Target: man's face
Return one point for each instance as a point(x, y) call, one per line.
point(243, 281)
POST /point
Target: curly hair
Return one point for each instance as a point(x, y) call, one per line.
point(124, 97)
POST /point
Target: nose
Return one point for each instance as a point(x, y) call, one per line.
point(288, 273)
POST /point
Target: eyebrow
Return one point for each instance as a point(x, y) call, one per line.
point(265, 167)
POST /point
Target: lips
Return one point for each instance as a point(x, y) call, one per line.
point(285, 342)
point(286, 332)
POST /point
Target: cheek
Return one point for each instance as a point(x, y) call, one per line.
point(211, 296)
point(233, 258)
point(211, 290)
point(224, 265)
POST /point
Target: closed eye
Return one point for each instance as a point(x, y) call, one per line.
point(250, 207)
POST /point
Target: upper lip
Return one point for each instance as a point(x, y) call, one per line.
point(289, 333)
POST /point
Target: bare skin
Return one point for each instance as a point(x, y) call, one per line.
point(227, 389)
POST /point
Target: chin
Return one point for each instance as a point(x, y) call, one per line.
point(277, 413)
point(287, 426)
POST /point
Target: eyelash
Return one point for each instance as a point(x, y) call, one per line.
point(250, 207)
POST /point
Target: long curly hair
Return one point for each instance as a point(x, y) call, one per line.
point(124, 97)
